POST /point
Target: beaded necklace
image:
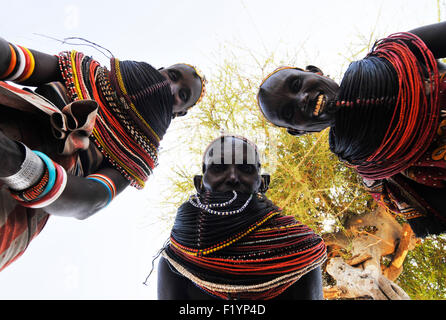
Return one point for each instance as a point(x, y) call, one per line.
point(196, 202)
point(385, 95)
point(254, 255)
point(127, 142)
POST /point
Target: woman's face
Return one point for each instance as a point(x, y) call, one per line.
point(185, 85)
point(231, 164)
point(299, 100)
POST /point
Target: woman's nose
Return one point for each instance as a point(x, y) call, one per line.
point(302, 99)
point(174, 89)
point(232, 177)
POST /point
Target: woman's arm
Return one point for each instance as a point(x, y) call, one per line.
point(308, 287)
point(81, 197)
point(434, 36)
point(43, 69)
point(11, 156)
point(84, 197)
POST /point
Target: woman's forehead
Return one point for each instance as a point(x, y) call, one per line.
point(183, 68)
point(279, 77)
point(229, 150)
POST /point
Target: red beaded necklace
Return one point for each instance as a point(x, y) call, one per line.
point(417, 110)
point(256, 254)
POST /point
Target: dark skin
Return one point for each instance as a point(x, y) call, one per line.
point(185, 85)
point(289, 98)
point(241, 177)
point(299, 100)
point(82, 197)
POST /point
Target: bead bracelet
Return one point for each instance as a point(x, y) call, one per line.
point(54, 193)
point(107, 183)
point(21, 64)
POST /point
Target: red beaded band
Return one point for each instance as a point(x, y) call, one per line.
point(55, 192)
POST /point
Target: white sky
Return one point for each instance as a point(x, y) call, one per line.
point(109, 255)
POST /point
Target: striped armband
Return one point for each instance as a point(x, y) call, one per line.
point(47, 190)
point(12, 63)
point(21, 64)
point(53, 191)
point(107, 183)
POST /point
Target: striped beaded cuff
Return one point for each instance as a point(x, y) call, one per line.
point(53, 191)
point(47, 188)
point(107, 183)
point(33, 192)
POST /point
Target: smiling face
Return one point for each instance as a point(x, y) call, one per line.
point(186, 86)
point(231, 163)
point(299, 100)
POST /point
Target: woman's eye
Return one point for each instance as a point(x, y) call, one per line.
point(288, 113)
point(247, 168)
point(295, 85)
point(217, 167)
point(173, 75)
point(184, 96)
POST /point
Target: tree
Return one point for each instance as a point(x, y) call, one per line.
point(424, 276)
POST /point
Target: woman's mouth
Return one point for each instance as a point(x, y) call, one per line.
point(320, 105)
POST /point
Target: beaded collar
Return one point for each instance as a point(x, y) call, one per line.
point(251, 252)
point(414, 114)
point(127, 145)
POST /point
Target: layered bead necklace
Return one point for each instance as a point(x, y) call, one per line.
point(254, 255)
point(196, 202)
point(388, 118)
point(127, 142)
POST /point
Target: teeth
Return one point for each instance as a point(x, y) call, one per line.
point(320, 99)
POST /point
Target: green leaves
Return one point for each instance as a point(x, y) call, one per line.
point(424, 276)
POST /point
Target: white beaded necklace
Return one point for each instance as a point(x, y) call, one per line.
point(195, 201)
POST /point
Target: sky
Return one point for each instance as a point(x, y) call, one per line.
point(109, 255)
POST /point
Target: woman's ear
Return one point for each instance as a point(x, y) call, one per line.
point(295, 132)
point(198, 183)
point(314, 69)
point(264, 183)
point(179, 114)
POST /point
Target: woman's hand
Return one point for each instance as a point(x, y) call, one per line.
point(433, 36)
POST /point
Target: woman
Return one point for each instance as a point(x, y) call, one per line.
point(230, 242)
point(123, 112)
point(384, 118)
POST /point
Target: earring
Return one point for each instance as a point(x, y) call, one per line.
point(198, 183)
point(264, 183)
point(295, 132)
